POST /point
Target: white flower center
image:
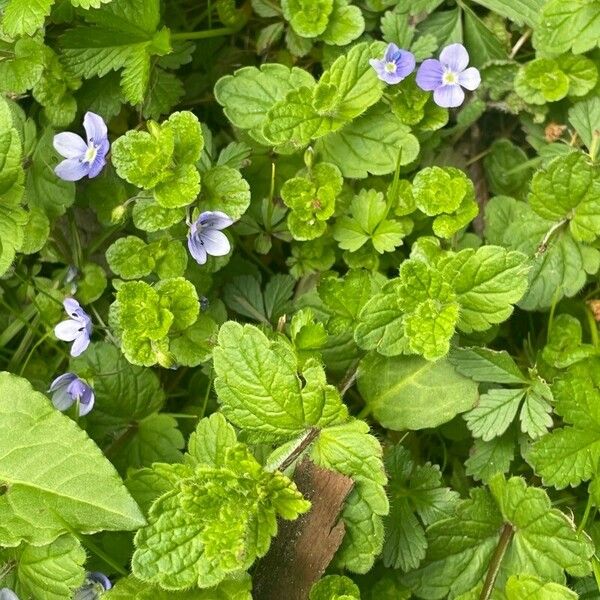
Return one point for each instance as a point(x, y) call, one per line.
point(90, 154)
point(449, 77)
point(390, 67)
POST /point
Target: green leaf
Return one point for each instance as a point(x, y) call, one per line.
point(494, 413)
point(209, 443)
point(346, 90)
point(482, 364)
point(346, 23)
point(129, 258)
point(581, 71)
point(122, 35)
point(24, 65)
point(308, 18)
point(249, 93)
point(260, 389)
point(569, 455)
point(370, 144)
point(180, 298)
point(149, 216)
point(399, 391)
point(526, 587)
point(585, 117)
point(503, 169)
point(488, 458)
point(487, 282)
point(334, 587)
point(565, 346)
point(559, 19)
point(81, 491)
point(194, 345)
point(349, 449)
point(541, 81)
point(25, 17)
point(53, 571)
point(224, 189)
point(413, 490)
point(521, 12)
point(461, 547)
point(213, 523)
point(568, 189)
point(484, 46)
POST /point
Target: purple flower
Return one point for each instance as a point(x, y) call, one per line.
point(395, 65)
point(95, 585)
point(68, 389)
point(206, 238)
point(446, 76)
point(83, 158)
point(77, 329)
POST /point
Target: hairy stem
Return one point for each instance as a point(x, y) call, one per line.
point(586, 514)
point(308, 439)
point(503, 543)
point(202, 35)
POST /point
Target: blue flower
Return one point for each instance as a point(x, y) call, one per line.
point(77, 329)
point(6, 594)
point(447, 76)
point(68, 389)
point(83, 158)
point(95, 585)
point(395, 65)
point(206, 238)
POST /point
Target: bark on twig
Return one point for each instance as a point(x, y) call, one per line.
point(303, 548)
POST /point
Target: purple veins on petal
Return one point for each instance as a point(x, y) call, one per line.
point(83, 157)
point(447, 76)
point(68, 389)
point(395, 65)
point(205, 237)
point(76, 329)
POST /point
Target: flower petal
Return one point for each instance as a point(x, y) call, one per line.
point(455, 56)
point(71, 169)
point(429, 75)
point(470, 78)
point(391, 53)
point(67, 331)
point(215, 242)
point(96, 166)
point(80, 344)
point(215, 219)
point(449, 96)
point(405, 63)
point(62, 400)
point(379, 66)
point(72, 307)
point(95, 128)
point(69, 145)
point(86, 403)
point(196, 249)
point(62, 381)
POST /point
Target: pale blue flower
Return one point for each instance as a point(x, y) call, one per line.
point(206, 238)
point(395, 65)
point(77, 329)
point(83, 157)
point(69, 389)
point(447, 76)
point(95, 585)
point(6, 594)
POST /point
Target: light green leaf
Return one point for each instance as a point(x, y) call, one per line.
point(411, 393)
point(214, 523)
point(370, 144)
point(224, 189)
point(259, 387)
point(81, 490)
point(308, 18)
point(24, 17)
point(526, 587)
point(581, 71)
point(560, 18)
point(569, 455)
point(521, 12)
point(487, 282)
point(179, 189)
point(129, 258)
point(349, 449)
point(149, 216)
point(346, 23)
point(488, 458)
point(585, 117)
point(334, 587)
point(180, 298)
point(249, 93)
point(494, 413)
point(194, 345)
point(482, 364)
point(541, 81)
point(24, 67)
point(565, 346)
point(209, 443)
point(52, 572)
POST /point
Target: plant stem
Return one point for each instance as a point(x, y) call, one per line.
point(308, 439)
point(520, 43)
point(593, 327)
point(586, 514)
point(93, 547)
point(202, 35)
point(503, 543)
point(544, 243)
point(206, 395)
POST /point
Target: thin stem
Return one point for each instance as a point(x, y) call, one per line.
point(365, 412)
point(477, 157)
point(544, 243)
point(180, 415)
point(202, 35)
point(308, 439)
point(520, 43)
point(121, 441)
point(33, 349)
point(595, 145)
point(552, 311)
point(496, 561)
point(93, 547)
point(6, 568)
point(586, 514)
point(206, 395)
point(349, 378)
point(593, 327)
